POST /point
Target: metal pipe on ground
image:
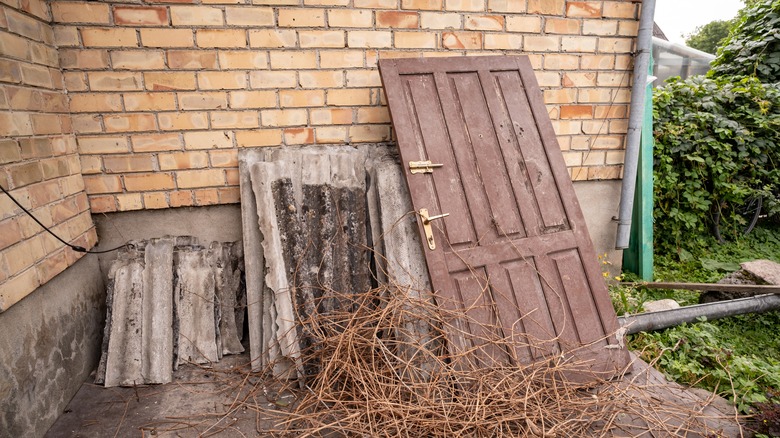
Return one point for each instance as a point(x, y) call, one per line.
point(644, 48)
point(650, 321)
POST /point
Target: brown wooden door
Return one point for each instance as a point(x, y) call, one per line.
point(514, 252)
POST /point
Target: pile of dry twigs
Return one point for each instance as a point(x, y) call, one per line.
point(380, 367)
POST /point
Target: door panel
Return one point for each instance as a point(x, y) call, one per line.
point(513, 254)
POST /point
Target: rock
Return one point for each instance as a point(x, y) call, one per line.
point(765, 270)
point(659, 305)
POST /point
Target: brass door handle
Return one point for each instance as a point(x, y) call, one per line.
point(426, 221)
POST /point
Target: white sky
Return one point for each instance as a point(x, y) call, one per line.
point(677, 17)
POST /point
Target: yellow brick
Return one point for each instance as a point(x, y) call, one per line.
point(149, 101)
point(369, 133)
point(206, 197)
point(221, 38)
point(249, 16)
point(503, 41)
point(548, 78)
point(342, 58)
point(331, 116)
point(562, 26)
point(91, 164)
point(373, 115)
point(599, 27)
point(224, 158)
point(546, 7)
point(229, 195)
point(349, 18)
point(301, 98)
point(66, 36)
point(413, 40)
point(196, 16)
point(84, 124)
point(165, 81)
point(270, 38)
point(369, 39)
point(252, 99)
point(128, 163)
point(181, 198)
point(156, 142)
point(514, 6)
point(436, 20)
point(208, 140)
point(17, 287)
point(321, 38)
point(349, 97)
point(202, 100)
point(524, 24)
point(615, 45)
point(243, 59)
point(628, 28)
point(619, 9)
point(192, 59)
point(102, 145)
point(579, 79)
point(155, 200)
point(102, 204)
point(259, 137)
point(483, 22)
point(95, 102)
point(129, 122)
point(298, 17)
point(377, 4)
point(222, 80)
point(364, 78)
point(286, 117)
point(461, 40)
point(96, 184)
point(532, 43)
point(166, 37)
point(188, 179)
point(578, 44)
point(272, 79)
point(330, 134)
point(183, 160)
point(466, 5)
point(182, 121)
point(149, 182)
point(615, 157)
point(609, 79)
point(294, 136)
point(137, 60)
point(597, 62)
point(109, 37)
point(326, 2)
point(140, 16)
point(566, 95)
point(80, 12)
point(555, 61)
point(321, 78)
point(84, 59)
point(234, 119)
point(15, 46)
point(293, 60)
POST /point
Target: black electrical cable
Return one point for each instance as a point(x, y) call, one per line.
point(73, 247)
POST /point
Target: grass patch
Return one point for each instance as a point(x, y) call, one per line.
point(738, 357)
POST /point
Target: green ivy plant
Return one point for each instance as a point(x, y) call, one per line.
point(753, 46)
point(717, 144)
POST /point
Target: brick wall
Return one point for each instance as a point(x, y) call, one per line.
point(39, 163)
point(163, 93)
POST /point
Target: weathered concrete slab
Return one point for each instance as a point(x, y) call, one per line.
point(157, 329)
point(225, 260)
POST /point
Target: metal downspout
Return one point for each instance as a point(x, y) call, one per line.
point(644, 48)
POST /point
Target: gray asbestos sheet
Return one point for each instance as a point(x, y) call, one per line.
point(169, 301)
point(307, 240)
point(194, 307)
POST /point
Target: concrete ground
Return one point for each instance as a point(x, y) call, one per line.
point(200, 402)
